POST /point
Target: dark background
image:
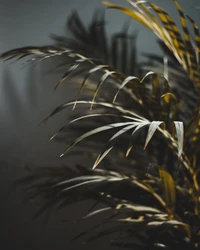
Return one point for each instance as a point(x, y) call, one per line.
point(26, 97)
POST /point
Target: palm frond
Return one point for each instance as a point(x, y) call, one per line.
point(151, 195)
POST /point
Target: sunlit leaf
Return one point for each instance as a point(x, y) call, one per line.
point(180, 136)
point(152, 129)
point(129, 12)
point(103, 78)
point(95, 131)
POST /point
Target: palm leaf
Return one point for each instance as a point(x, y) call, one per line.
point(152, 196)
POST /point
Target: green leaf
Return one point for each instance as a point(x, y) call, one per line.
point(169, 189)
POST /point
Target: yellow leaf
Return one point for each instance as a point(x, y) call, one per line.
point(169, 189)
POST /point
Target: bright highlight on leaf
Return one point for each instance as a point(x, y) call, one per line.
point(152, 129)
point(180, 135)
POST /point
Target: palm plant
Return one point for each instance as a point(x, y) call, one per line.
point(153, 195)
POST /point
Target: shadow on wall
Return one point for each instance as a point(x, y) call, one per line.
point(24, 142)
point(27, 96)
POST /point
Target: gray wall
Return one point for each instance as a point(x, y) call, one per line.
point(26, 97)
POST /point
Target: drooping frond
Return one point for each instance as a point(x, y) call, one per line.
point(132, 213)
point(167, 31)
point(181, 46)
